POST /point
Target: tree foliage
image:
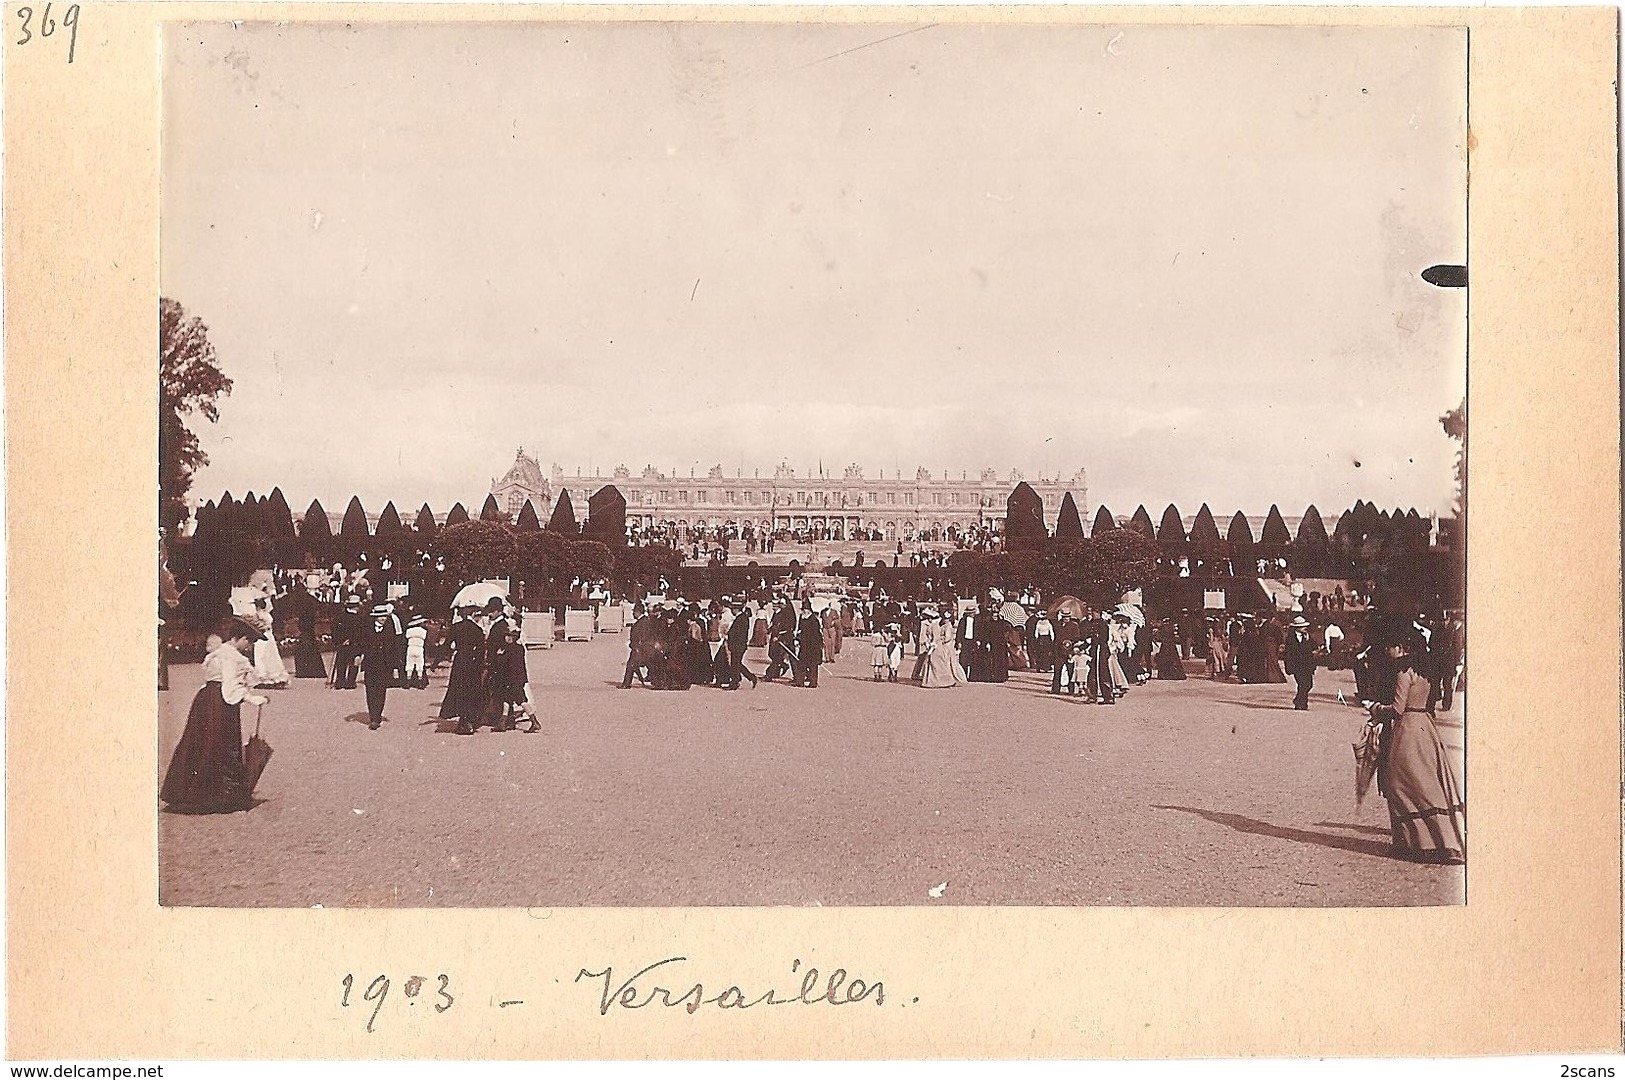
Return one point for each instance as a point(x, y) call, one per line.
point(1141, 522)
point(425, 524)
point(643, 566)
point(477, 550)
point(528, 521)
point(1103, 521)
point(492, 512)
point(1454, 423)
point(457, 515)
point(190, 383)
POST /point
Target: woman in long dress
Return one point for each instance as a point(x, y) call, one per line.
point(1426, 813)
point(942, 666)
point(927, 642)
point(1169, 663)
point(465, 687)
point(1218, 653)
point(307, 660)
point(205, 775)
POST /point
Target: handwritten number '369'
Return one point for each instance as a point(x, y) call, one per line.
point(378, 990)
point(47, 25)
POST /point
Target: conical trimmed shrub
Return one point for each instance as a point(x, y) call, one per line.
point(1068, 525)
point(564, 516)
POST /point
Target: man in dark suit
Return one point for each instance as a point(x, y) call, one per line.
point(349, 633)
point(809, 646)
point(738, 641)
point(1298, 657)
point(378, 663)
point(637, 638)
point(1068, 632)
point(781, 640)
point(496, 663)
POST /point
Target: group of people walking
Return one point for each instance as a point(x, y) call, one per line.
point(489, 681)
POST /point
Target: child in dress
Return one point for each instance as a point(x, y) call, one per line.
point(880, 658)
point(894, 651)
point(1076, 675)
point(417, 638)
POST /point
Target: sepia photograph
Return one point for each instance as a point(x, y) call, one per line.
point(775, 464)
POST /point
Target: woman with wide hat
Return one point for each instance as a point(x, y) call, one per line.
point(205, 774)
point(1426, 812)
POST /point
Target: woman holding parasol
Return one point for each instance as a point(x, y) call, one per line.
point(206, 774)
point(1413, 771)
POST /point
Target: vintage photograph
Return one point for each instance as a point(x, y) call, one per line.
point(768, 464)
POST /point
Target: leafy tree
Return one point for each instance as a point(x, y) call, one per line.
point(528, 521)
point(564, 517)
point(477, 550)
point(456, 516)
point(1068, 525)
point(642, 567)
point(1104, 522)
point(1141, 522)
point(1100, 569)
point(190, 382)
point(492, 512)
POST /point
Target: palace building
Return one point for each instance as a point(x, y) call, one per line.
point(901, 508)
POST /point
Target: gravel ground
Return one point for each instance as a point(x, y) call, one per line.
point(1192, 793)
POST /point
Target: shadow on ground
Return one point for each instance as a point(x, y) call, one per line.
point(1297, 836)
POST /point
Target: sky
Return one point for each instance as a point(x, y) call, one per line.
point(1183, 259)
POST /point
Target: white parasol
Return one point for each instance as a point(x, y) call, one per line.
point(478, 594)
point(1013, 613)
point(1131, 613)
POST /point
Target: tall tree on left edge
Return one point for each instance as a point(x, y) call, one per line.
point(189, 382)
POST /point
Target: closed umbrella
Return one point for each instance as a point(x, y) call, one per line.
point(255, 755)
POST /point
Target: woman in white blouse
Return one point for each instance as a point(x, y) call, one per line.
point(206, 772)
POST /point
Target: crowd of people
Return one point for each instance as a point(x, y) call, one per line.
point(1404, 670)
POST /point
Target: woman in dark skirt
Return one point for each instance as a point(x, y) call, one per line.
point(465, 687)
point(307, 661)
point(205, 774)
point(1169, 663)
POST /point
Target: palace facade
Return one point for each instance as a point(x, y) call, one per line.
point(899, 507)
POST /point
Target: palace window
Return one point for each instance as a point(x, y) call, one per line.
point(682, 496)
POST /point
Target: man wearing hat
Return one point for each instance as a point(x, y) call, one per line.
point(781, 641)
point(1298, 655)
point(809, 646)
point(496, 657)
point(378, 662)
point(348, 633)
